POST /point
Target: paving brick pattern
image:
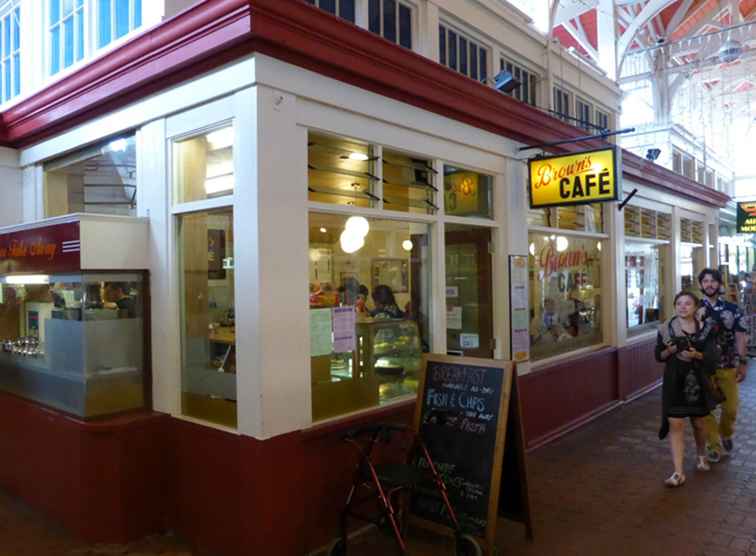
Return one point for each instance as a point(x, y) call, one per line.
point(598, 491)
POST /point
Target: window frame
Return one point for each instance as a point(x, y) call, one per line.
point(562, 98)
point(605, 273)
point(527, 77)
point(96, 28)
point(399, 4)
point(632, 332)
point(81, 17)
point(436, 224)
point(10, 54)
point(583, 107)
point(482, 50)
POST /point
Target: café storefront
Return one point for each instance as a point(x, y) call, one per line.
point(308, 236)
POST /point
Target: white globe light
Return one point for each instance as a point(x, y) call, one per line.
point(351, 242)
point(358, 225)
point(561, 243)
point(531, 249)
point(407, 245)
point(598, 245)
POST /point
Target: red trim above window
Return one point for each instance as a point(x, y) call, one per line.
point(214, 32)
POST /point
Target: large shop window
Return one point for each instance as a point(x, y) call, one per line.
point(10, 44)
point(369, 310)
point(206, 254)
point(204, 165)
point(691, 253)
point(467, 193)
point(100, 179)
point(392, 20)
point(565, 293)
point(66, 33)
point(463, 54)
point(116, 18)
point(644, 282)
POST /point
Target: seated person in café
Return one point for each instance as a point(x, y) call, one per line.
point(116, 293)
point(385, 304)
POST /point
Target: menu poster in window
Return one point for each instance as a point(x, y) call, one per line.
point(518, 307)
point(344, 335)
point(216, 252)
point(463, 416)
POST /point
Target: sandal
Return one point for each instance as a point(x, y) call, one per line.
point(702, 464)
point(675, 480)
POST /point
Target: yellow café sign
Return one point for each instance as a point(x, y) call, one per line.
point(574, 179)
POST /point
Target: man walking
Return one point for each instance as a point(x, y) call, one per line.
point(726, 320)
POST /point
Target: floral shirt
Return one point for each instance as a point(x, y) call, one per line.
point(725, 319)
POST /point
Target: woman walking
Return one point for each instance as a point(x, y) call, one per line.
point(690, 356)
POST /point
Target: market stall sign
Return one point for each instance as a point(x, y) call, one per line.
point(746, 218)
point(42, 250)
point(574, 179)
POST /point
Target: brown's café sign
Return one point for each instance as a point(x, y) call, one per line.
point(746, 223)
point(573, 179)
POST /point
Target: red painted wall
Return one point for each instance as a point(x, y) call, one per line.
point(104, 481)
point(637, 370)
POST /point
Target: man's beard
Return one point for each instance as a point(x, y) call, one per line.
point(714, 291)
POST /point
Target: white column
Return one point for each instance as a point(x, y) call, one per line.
point(614, 298)
point(427, 21)
point(10, 187)
point(153, 203)
point(32, 193)
point(607, 39)
point(673, 266)
point(271, 223)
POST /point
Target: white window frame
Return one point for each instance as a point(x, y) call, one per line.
point(479, 44)
point(565, 98)
point(113, 38)
point(436, 228)
point(413, 21)
point(606, 272)
point(602, 115)
point(583, 106)
point(77, 12)
point(532, 77)
point(10, 15)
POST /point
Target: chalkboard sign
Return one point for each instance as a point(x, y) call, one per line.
point(462, 415)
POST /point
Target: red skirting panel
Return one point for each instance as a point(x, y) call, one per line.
point(637, 370)
point(562, 397)
point(102, 480)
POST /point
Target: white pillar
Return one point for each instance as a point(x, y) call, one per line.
point(427, 21)
point(10, 187)
point(607, 39)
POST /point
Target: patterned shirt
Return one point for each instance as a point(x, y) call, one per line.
point(725, 320)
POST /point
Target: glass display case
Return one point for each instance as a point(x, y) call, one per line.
point(75, 342)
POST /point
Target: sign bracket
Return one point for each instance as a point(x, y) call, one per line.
point(602, 135)
point(630, 196)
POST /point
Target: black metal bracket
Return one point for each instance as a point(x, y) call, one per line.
point(602, 135)
point(630, 196)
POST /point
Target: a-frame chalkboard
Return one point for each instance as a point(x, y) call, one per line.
point(466, 417)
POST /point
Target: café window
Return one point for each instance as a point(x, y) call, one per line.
point(647, 223)
point(677, 161)
point(343, 171)
point(207, 304)
point(526, 92)
point(579, 218)
point(203, 165)
point(345, 9)
point(392, 20)
point(463, 54)
point(408, 183)
point(691, 253)
point(369, 296)
point(644, 284)
point(565, 293)
point(689, 166)
point(467, 193)
point(99, 179)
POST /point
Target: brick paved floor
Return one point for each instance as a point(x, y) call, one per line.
point(597, 491)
